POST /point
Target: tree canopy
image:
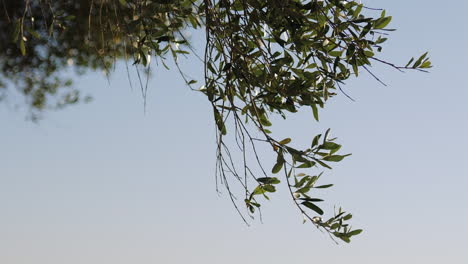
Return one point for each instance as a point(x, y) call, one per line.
point(261, 59)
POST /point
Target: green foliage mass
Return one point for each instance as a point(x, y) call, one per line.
point(262, 58)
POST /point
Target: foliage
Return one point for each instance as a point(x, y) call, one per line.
point(39, 39)
point(262, 58)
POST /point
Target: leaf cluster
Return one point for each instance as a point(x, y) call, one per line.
point(262, 58)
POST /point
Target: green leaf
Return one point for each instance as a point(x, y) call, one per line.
point(365, 30)
point(330, 145)
point(357, 11)
point(355, 68)
point(324, 186)
point(303, 190)
point(278, 166)
point(312, 180)
point(300, 183)
point(326, 135)
point(219, 121)
point(382, 22)
point(22, 47)
point(323, 164)
point(354, 232)
point(269, 180)
point(269, 188)
point(315, 111)
point(369, 53)
point(313, 207)
point(347, 217)
point(323, 154)
point(409, 62)
point(264, 121)
point(361, 20)
point(144, 59)
point(258, 190)
point(345, 239)
point(316, 140)
point(426, 64)
point(285, 141)
point(307, 164)
point(312, 199)
point(335, 158)
point(336, 53)
point(419, 61)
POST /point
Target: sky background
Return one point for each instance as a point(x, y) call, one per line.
point(105, 183)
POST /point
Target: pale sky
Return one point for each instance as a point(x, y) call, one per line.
point(105, 183)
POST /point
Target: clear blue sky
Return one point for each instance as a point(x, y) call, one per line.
point(105, 183)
